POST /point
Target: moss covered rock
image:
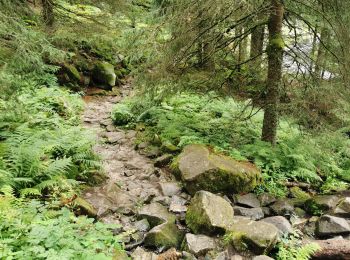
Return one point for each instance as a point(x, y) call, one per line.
point(166, 235)
point(72, 73)
point(104, 74)
point(201, 169)
point(259, 237)
point(209, 214)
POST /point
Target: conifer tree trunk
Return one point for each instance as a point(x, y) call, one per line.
point(275, 59)
point(257, 44)
point(48, 13)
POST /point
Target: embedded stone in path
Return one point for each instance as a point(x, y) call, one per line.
point(209, 213)
point(202, 169)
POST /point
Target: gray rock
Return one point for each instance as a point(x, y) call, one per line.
point(177, 205)
point(115, 137)
point(248, 200)
point(199, 244)
point(141, 254)
point(266, 199)
point(281, 223)
point(343, 208)
point(201, 169)
point(236, 257)
point(331, 226)
point(258, 236)
point(209, 213)
point(252, 213)
point(170, 188)
point(282, 208)
point(165, 236)
point(142, 225)
point(156, 214)
point(322, 203)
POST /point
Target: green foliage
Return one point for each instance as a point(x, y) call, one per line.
point(229, 126)
point(291, 248)
point(31, 230)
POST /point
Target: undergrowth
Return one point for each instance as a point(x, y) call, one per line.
point(33, 230)
point(233, 127)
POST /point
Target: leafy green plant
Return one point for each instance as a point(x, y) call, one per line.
point(31, 230)
point(291, 248)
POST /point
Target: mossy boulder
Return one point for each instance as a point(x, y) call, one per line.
point(201, 169)
point(258, 237)
point(72, 73)
point(209, 214)
point(103, 73)
point(166, 235)
point(321, 204)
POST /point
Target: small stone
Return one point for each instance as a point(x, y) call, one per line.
point(281, 223)
point(142, 225)
point(266, 199)
point(115, 137)
point(252, 213)
point(163, 160)
point(142, 254)
point(282, 208)
point(209, 213)
point(199, 244)
point(177, 205)
point(166, 235)
point(170, 188)
point(163, 200)
point(156, 214)
point(236, 257)
point(248, 200)
point(258, 236)
point(188, 256)
point(331, 226)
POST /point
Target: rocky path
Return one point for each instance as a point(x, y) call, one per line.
point(133, 180)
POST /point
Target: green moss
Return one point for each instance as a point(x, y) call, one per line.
point(166, 235)
point(72, 73)
point(277, 42)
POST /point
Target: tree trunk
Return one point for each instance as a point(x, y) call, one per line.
point(48, 13)
point(332, 249)
point(275, 59)
point(257, 44)
point(321, 54)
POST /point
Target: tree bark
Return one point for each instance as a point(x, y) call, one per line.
point(321, 54)
point(275, 59)
point(48, 12)
point(257, 44)
point(332, 249)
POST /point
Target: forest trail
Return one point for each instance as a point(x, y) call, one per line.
point(132, 178)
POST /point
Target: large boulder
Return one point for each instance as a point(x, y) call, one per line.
point(321, 203)
point(201, 169)
point(209, 213)
point(104, 74)
point(259, 237)
point(252, 213)
point(248, 200)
